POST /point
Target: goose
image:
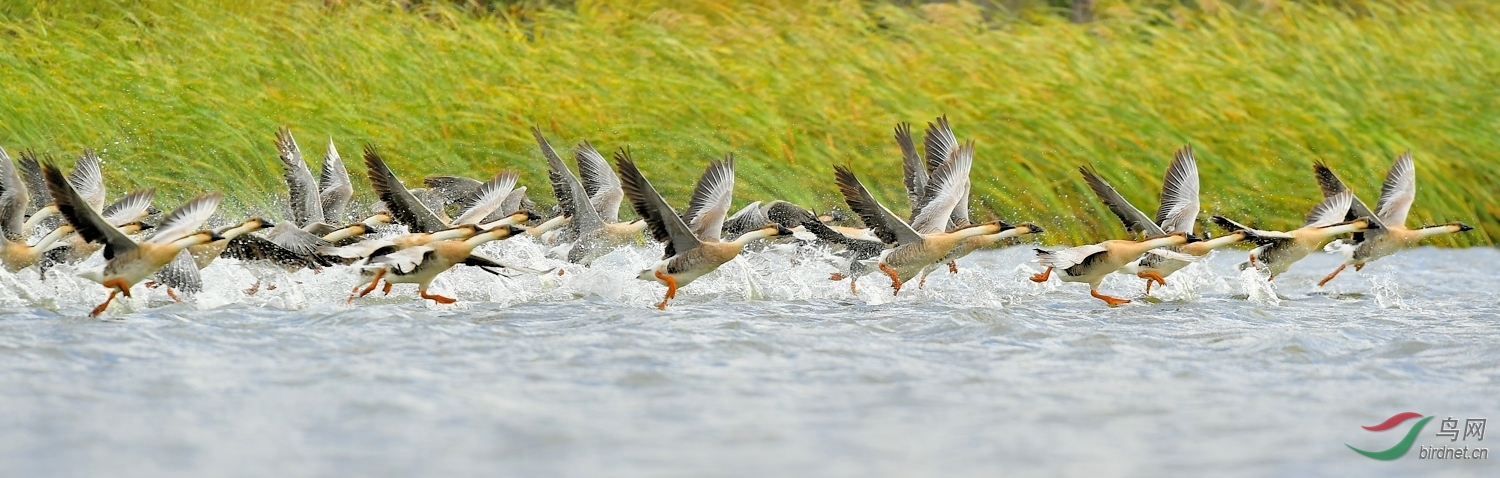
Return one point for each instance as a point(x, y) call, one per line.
point(124, 214)
point(693, 245)
point(921, 244)
point(129, 262)
point(592, 204)
point(421, 264)
point(853, 252)
point(462, 191)
point(316, 202)
point(1396, 197)
point(1178, 213)
point(1089, 264)
point(16, 254)
point(941, 145)
point(1279, 250)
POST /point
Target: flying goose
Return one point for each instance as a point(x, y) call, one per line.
point(1178, 213)
point(689, 254)
point(592, 205)
point(1279, 250)
point(1091, 263)
point(129, 262)
point(920, 245)
point(1396, 197)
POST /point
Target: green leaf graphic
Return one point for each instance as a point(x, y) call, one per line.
point(1400, 448)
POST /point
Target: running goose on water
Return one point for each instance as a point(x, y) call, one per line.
point(693, 247)
point(1091, 263)
point(129, 262)
point(1178, 213)
point(1396, 197)
point(421, 264)
point(593, 204)
point(125, 214)
point(14, 200)
point(922, 244)
point(1279, 250)
point(941, 146)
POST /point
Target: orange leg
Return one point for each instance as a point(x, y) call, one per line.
point(952, 267)
point(1112, 301)
point(1252, 260)
point(253, 289)
point(387, 289)
point(895, 278)
point(836, 276)
point(559, 272)
point(173, 294)
point(854, 286)
point(118, 284)
point(100, 309)
point(671, 289)
point(1334, 274)
point(273, 286)
point(1149, 283)
point(150, 284)
point(1359, 266)
point(435, 298)
point(1042, 276)
point(378, 275)
point(1151, 276)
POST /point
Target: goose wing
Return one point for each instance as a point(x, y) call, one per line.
point(250, 247)
point(1399, 191)
point(334, 188)
point(1134, 219)
point(84, 218)
point(404, 207)
point(748, 218)
point(36, 182)
point(946, 188)
point(1179, 194)
point(14, 198)
point(286, 235)
point(514, 202)
point(914, 170)
point(572, 196)
point(888, 227)
point(709, 206)
point(186, 219)
point(488, 198)
point(88, 179)
point(599, 181)
point(405, 260)
point(181, 273)
point(1330, 211)
point(307, 205)
point(1069, 257)
point(1331, 186)
point(663, 222)
point(455, 189)
point(130, 208)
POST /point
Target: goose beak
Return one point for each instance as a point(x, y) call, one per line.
point(1035, 229)
point(1464, 227)
point(214, 236)
point(782, 230)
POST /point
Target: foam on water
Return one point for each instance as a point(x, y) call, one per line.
point(765, 367)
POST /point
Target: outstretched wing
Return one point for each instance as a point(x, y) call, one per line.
point(334, 188)
point(36, 183)
point(1069, 257)
point(84, 218)
point(307, 204)
point(663, 222)
point(1179, 194)
point(88, 179)
point(709, 206)
point(1399, 191)
point(14, 198)
point(186, 219)
point(1134, 219)
point(887, 227)
point(1332, 186)
point(914, 170)
point(404, 207)
point(600, 182)
point(1331, 211)
point(488, 198)
point(130, 208)
point(946, 188)
point(181, 274)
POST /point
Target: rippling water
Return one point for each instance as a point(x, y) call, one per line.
point(764, 368)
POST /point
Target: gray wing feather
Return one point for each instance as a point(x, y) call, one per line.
point(1179, 194)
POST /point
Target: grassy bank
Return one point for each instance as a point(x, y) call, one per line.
point(186, 95)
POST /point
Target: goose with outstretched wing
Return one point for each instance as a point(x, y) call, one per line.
point(1396, 197)
point(592, 204)
point(688, 255)
point(1278, 250)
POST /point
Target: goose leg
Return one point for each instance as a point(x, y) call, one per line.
point(895, 278)
point(387, 289)
point(671, 289)
point(1042, 276)
point(100, 309)
point(1112, 301)
point(119, 285)
point(836, 276)
point(1334, 274)
point(435, 298)
point(378, 275)
point(1359, 266)
point(953, 267)
point(854, 286)
point(256, 288)
point(173, 294)
point(1151, 276)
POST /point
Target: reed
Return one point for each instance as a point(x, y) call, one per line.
point(185, 95)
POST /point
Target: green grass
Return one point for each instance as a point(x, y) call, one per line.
point(186, 96)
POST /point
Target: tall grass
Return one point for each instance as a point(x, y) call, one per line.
point(186, 95)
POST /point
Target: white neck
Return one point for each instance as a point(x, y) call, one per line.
point(979, 230)
point(751, 236)
point(1224, 240)
point(551, 224)
point(37, 217)
point(1427, 232)
point(1164, 242)
point(53, 236)
point(1343, 229)
point(191, 241)
point(238, 231)
point(451, 234)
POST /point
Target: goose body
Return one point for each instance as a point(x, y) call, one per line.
point(1278, 250)
point(420, 264)
point(1091, 263)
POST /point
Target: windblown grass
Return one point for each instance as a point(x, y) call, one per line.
point(186, 96)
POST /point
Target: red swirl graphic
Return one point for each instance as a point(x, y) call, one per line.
point(1393, 421)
